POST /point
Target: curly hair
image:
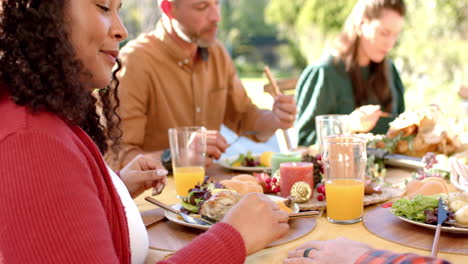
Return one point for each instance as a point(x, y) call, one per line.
point(38, 63)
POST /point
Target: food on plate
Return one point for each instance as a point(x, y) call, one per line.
point(461, 215)
point(242, 184)
point(265, 158)
point(246, 160)
point(457, 205)
point(415, 209)
point(421, 131)
point(199, 194)
point(458, 196)
point(219, 204)
point(427, 186)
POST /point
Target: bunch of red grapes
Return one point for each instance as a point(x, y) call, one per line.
point(251, 162)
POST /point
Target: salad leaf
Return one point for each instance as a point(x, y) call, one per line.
point(246, 160)
point(198, 195)
point(191, 208)
point(414, 209)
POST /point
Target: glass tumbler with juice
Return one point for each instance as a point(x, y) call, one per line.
point(188, 147)
point(344, 160)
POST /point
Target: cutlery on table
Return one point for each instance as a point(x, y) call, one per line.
point(441, 217)
point(305, 214)
point(245, 133)
point(186, 217)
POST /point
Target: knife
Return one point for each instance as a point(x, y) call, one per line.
point(441, 217)
point(186, 217)
point(305, 214)
point(395, 159)
point(384, 154)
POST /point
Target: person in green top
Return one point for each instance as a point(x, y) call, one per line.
point(356, 77)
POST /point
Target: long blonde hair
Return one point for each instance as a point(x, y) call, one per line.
point(347, 48)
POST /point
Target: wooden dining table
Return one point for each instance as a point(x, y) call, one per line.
point(324, 230)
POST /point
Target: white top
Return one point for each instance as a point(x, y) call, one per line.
point(139, 243)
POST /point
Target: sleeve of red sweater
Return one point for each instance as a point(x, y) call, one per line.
point(50, 209)
point(221, 244)
point(388, 257)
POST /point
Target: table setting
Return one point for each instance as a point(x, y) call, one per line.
point(332, 185)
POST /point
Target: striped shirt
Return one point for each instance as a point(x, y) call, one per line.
point(388, 257)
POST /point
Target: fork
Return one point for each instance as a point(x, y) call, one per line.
point(187, 218)
point(245, 133)
point(305, 214)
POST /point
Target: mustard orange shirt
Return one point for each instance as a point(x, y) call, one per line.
point(161, 88)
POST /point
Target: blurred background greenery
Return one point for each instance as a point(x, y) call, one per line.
point(432, 53)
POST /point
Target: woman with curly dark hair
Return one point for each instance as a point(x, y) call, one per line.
point(53, 55)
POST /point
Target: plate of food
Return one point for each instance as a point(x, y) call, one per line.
point(450, 229)
point(247, 162)
point(217, 206)
point(422, 211)
point(413, 134)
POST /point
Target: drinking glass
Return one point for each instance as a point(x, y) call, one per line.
point(344, 159)
point(331, 125)
point(188, 148)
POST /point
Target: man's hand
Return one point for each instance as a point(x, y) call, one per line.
point(216, 145)
point(143, 173)
point(340, 250)
point(285, 110)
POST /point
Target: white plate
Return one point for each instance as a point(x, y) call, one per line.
point(226, 163)
point(450, 229)
point(175, 218)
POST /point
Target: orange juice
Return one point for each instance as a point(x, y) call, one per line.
point(345, 199)
point(186, 178)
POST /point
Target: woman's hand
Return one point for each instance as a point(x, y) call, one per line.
point(259, 221)
point(143, 173)
point(364, 118)
point(285, 109)
point(340, 250)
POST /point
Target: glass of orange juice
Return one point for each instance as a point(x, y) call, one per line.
point(344, 159)
point(188, 147)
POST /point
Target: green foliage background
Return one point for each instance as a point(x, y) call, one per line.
point(432, 53)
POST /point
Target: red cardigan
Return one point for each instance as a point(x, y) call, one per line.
point(58, 203)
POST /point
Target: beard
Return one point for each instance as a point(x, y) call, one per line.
point(204, 38)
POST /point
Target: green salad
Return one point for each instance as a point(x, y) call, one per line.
point(414, 209)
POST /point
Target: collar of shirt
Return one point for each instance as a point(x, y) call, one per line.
point(180, 55)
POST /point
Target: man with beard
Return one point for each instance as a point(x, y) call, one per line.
point(180, 75)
